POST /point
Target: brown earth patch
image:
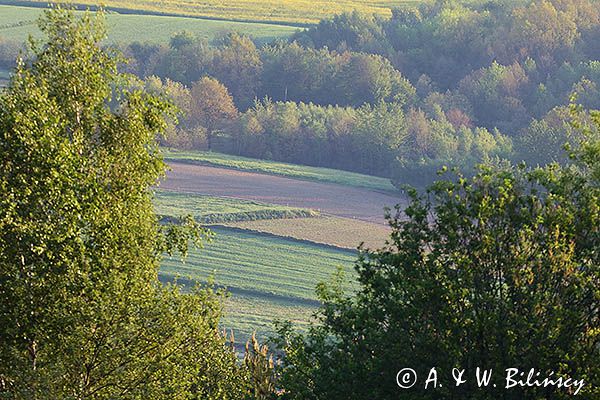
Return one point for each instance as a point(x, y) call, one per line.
point(335, 231)
point(332, 199)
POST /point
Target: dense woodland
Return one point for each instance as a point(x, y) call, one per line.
point(82, 313)
point(440, 84)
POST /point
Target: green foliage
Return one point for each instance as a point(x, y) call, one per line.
point(495, 92)
point(353, 29)
point(292, 72)
point(435, 143)
point(238, 66)
point(497, 271)
point(365, 140)
point(493, 65)
point(369, 78)
point(544, 140)
point(82, 314)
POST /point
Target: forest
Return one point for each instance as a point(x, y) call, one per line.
point(443, 84)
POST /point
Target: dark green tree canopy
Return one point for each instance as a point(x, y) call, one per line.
point(498, 271)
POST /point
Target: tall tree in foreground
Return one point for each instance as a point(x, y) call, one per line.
point(498, 271)
point(82, 315)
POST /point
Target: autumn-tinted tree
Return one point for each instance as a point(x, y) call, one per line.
point(180, 132)
point(212, 107)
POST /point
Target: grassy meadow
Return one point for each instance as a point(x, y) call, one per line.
point(16, 23)
point(268, 277)
point(280, 11)
point(4, 75)
point(316, 174)
point(245, 314)
point(212, 209)
point(265, 265)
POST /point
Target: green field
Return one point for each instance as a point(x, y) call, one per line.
point(16, 23)
point(282, 11)
point(211, 210)
point(246, 314)
point(3, 77)
point(269, 277)
point(326, 175)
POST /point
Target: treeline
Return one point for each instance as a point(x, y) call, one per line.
point(381, 139)
point(280, 71)
point(443, 83)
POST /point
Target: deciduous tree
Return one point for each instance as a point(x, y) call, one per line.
point(498, 271)
point(212, 107)
point(82, 313)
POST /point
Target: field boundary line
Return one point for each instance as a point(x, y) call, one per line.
point(262, 203)
point(275, 236)
point(188, 281)
point(262, 172)
point(320, 213)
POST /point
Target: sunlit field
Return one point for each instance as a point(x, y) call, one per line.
point(16, 23)
point(268, 277)
point(288, 11)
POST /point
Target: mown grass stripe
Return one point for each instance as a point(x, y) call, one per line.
point(269, 265)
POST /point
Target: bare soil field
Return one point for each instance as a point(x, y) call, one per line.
point(335, 231)
point(332, 199)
